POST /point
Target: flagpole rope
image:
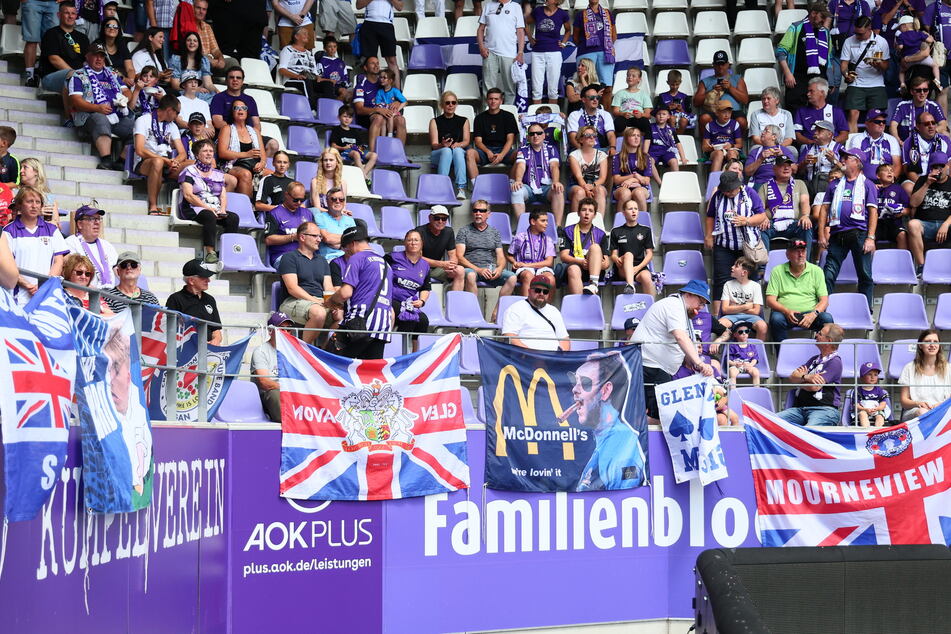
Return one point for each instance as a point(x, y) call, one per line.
point(3, 545)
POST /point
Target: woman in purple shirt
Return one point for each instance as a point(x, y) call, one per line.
point(546, 40)
point(204, 198)
point(410, 286)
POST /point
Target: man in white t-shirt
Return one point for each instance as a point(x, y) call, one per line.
point(159, 153)
point(864, 58)
point(501, 38)
point(742, 298)
point(665, 335)
point(535, 317)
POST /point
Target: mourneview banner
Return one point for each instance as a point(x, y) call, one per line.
point(563, 421)
point(371, 430)
point(820, 488)
point(688, 417)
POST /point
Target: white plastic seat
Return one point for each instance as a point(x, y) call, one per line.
point(668, 5)
point(704, 5)
point(753, 23)
point(710, 24)
point(269, 128)
point(671, 24)
point(421, 88)
point(756, 51)
point(401, 28)
point(680, 188)
point(465, 85)
point(466, 26)
point(432, 27)
point(627, 23)
point(620, 82)
point(707, 48)
point(511, 108)
point(357, 184)
point(687, 87)
point(11, 40)
point(759, 78)
point(257, 73)
point(418, 118)
point(467, 111)
point(787, 17)
point(690, 149)
point(267, 110)
point(621, 6)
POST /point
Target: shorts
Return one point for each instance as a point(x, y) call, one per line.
point(438, 273)
point(889, 230)
point(337, 17)
point(297, 309)
point(38, 17)
point(98, 125)
point(663, 156)
point(561, 273)
point(652, 378)
point(499, 281)
point(484, 158)
point(364, 153)
point(525, 195)
point(735, 319)
point(544, 269)
point(866, 98)
point(929, 229)
point(377, 35)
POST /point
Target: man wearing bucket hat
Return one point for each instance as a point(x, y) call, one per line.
point(848, 219)
point(264, 366)
point(666, 339)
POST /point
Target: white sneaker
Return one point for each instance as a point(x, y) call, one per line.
point(461, 194)
point(591, 289)
point(628, 289)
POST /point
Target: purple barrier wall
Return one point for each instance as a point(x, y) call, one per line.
point(160, 569)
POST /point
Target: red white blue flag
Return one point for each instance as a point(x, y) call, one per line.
point(371, 429)
point(838, 488)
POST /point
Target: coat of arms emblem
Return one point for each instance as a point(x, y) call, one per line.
point(374, 418)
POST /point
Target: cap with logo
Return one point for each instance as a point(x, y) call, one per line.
point(189, 75)
point(870, 366)
point(353, 234)
point(196, 267)
point(721, 57)
point(540, 281)
point(875, 113)
point(96, 48)
point(278, 319)
point(196, 117)
point(857, 153)
point(822, 123)
point(796, 244)
point(86, 211)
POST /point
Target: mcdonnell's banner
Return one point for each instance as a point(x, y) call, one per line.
point(688, 417)
point(116, 431)
point(376, 429)
point(563, 421)
point(825, 488)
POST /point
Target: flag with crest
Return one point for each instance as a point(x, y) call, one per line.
point(837, 488)
point(377, 429)
point(37, 367)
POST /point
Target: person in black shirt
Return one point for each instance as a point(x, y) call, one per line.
point(352, 143)
point(439, 246)
point(63, 49)
point(271, 189)
point(118, 57)
point(632, 248)
point(192, 300)
point(930, 208)
point(495, 133)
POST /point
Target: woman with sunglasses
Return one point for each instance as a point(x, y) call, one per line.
point(906, 113)
point(410, 286)
point(79, 270)
point(329, 176)
point(242, 147)
point(204, 198)
point(449, 138)
point(926, 380)
point(118, 57)
point(88, 241)
point(588, 167)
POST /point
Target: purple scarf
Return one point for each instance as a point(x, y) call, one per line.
point(780, 205)
point(591, 37)
point(817, 48)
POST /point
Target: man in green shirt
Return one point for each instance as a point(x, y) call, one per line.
point(797, 294)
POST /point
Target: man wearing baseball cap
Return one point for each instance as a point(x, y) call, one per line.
point(796, 293)
point(848, 219)
point(193, 300)
point(126, 272)
point(731, 86)
point(535, 317)
point(818, 158)
point(865, 58)
point(264, 366)
point(870, 403)
point(881, 147)
point(439, 245)
point(786, 200)
point(88, 241)
point(666, 339)
point(932, 214)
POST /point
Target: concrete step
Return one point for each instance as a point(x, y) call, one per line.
point(155, 238)
point(9, 79)
point(17, 91)
point(137, 221)
point(62, 146)
point(83, 174)
point(95, 190)
point(75, 160)
point(53, 131)
point(111, 205)
point(178, 255)
point(27, 116)
point(26, 104)
point(4, 66)
point(230, 305)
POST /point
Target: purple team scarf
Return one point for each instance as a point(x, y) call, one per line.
point(537, 165)
point(590, 21)
point(817, 48)
point(102, 266)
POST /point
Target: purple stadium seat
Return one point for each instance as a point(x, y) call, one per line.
point(903, 353)
point(681, 227)
point(463, 310)
point(682, 266)
point(480, 405)
point(297, 108)
point(239, 252)
point(672, 53)
point(903, 311)
point(551, 230)
point(505, 302)
point(241, 404)
point(942, 312)
point(64, 227)
point(395, 222)
point(937, 267)
point(628, 306)
point(143, 283)
point(130, 174)
point(776, 257)
point(365, 213)
point(433, 310)
point(713, 179)
point(501, 222)
point(425, 57)
point(423, 218)
point(850, 310)
point(468, 412)
point(327, 111)
point(275, 295)
point(394, 348)
point(794, 352)
point(469, 359)
point(304, 172)
point(762, 361)
point(390, 152)
point(893, 266)
point(847, 274)
point(427, 341)
point(241, 205)
point(436, 189)
point(378, 249)
point(304, 141)
point(389, 185)
point(855, 352)
point(582, 312)
point(757, 395)
point(493, 188)
point(576, 345)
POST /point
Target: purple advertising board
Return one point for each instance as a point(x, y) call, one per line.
point(147, 571)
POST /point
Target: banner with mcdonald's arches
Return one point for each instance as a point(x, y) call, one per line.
point(563, 421)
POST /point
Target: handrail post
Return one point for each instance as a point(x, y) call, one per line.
point(171, 376)
point(202, 371)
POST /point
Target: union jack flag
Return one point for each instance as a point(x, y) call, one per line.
point(373, 429)
point(42, 388)
point(155, 340)
point(837, 488)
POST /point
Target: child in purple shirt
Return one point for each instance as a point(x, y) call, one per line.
point(741, 355)
point(722, 137)
point(681, 113)
point(893, 206)
point(910, 42)
point(871, 404)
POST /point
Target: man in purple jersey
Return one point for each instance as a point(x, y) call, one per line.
point(907, 112)
point(818, 109)
point(281, 223)
point(366, 297)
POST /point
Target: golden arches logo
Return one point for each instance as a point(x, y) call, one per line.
point(527, 406)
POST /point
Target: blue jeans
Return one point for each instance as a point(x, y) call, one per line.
point(605, 70)
point(792, 232)
point(821, 416)
point(55, 81)
point(779, 325)
point(38, 17)
point(840, 244)
point(454, 157)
